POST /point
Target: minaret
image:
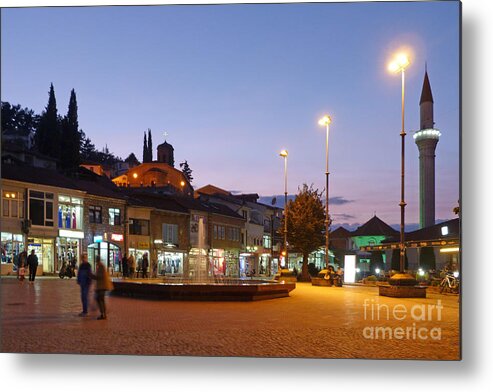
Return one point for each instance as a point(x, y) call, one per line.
point(426, 139)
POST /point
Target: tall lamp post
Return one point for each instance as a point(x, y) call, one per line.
point(399, 64)
point(284, 154)
point(326, 120)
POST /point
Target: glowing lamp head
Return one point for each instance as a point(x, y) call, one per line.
point(421, 272)
point(283, 253)
point(325, 120)
point(377, 271)
point(358, 270)
point(456, 274)
point(284, 153)
point(400, 62)
point(182, 183)
point(135, 175)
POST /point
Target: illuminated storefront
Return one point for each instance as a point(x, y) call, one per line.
point(12, 245)
point(44, 249)
point(68, 244)
point(69, 212)
point(109, 253)
point(170, 263)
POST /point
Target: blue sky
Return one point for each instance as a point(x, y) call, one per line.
point(235, 84)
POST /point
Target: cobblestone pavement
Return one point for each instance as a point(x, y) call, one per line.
point(314, 322)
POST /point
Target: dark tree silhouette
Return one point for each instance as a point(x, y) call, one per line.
point(47, 138)
point(144, 149)
point(18, 119)
point(187, 172)
point(71, 138)
point(149, 145)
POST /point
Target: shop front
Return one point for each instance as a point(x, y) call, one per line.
point(247, 264)
point(137, 248)
point(170, 262)
point(110, 254)
point(44, 249)
point(12, 246)
point(68, 246)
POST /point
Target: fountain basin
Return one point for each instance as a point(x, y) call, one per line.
point(231, 290)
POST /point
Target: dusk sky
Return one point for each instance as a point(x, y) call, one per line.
point(235, 84)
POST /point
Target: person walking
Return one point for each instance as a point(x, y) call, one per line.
point(125, 266)
point(103, 284)
point(22, 263)
point(32, 262)
point(131, 265)
point(154, 268)
point(145, 265)
point(84, 276)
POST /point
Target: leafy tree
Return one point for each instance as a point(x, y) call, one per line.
point(149, 145)
point(87, 148)
point(427, 258)
point(132, 160)
point(16, 118)
point(187, 172)
point(48, 135)
point(376, 261)
point(71, 138)
point(144, 150)
point(306, 222)
point(396, 261)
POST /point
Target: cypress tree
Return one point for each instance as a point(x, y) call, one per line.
point(144, 152)
point(48, 136)
point(71, 138)
point(149, 146)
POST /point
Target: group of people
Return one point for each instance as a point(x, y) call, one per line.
point(85, 276)
point(335, 277)
point(132, 269)
point(27, 262)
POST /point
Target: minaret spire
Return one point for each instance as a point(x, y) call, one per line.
point(426, 139)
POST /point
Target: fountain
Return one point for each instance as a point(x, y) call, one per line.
point(202, 284)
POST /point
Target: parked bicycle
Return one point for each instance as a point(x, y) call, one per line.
point(450, 283)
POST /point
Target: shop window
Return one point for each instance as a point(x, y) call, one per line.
point(115, 217)
point(215, 232)
point(69, 212)
point(12, 246)
point(95, 214)
point(139, 227)
point(41, 208)
point(170, 233)
point(12, 205)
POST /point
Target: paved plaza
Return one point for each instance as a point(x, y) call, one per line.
point(314, 322)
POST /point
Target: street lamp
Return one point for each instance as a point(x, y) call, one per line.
point(326, 120)
point(284, 154)
point(399, 64)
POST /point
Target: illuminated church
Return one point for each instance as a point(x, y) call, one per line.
point(160, 174)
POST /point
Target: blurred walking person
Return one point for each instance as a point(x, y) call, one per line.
point(84, 276)
point(32, 262)
point(145, 265)
point(103, 284)
point(131, 265)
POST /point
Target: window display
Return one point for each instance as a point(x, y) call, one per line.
point(170, 263)
point(69, 213)
point(12, 245)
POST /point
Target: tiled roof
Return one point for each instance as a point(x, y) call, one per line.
point(340, 232)
point(432, 232)
point(375, 226)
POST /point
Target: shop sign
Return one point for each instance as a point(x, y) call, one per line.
point(117, 237)
point(143, 245)
point(70, 233)
point(98, 238)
